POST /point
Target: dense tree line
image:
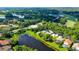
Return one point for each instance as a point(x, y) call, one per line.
point(44, 14)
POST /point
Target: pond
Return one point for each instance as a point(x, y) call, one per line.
point(33, 43)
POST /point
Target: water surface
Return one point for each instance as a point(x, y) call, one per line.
point(33, 43)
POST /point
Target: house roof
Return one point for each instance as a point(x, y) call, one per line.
point(60, 38)
point(75, 46)
point(33, 26)
point(67, 42)
point(3, 26)
point(5, 48)
point(4, 42)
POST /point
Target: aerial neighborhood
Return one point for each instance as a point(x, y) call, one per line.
point(39, 29)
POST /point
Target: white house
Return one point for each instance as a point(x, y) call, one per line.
point(32, 26)
point(75, 46)
point(59, 39)
point(47, 32)
point(54, 35)
point(50, 31)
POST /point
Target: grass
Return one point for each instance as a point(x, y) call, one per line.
point(70, 23)
point(56, 46)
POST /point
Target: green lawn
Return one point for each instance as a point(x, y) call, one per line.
point(70, 23)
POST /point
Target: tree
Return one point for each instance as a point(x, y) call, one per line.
point(9, 16)
point(14, 39)
point(62, 20)
point(74, 37)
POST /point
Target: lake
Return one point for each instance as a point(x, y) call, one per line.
point(33, 43)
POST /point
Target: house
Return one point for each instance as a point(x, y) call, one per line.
point(4, 26)
point(59, 39)
point(67, 43)
point(6, 48)
point(75, 46)
point(50, 31)
point(54, 35)
point(68, 37)
point(32, 26)
point(5, 45)
point(47, 31)
point(4, 42)
point(14, 26)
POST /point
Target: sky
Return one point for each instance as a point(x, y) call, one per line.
point(39, 3)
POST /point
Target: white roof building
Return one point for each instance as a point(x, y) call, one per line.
point(40, 24)
point(33, 26)
point(75, 46)
point(60, 38)
point(50, 31)
point(54, 34)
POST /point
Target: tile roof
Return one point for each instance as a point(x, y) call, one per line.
point(67, 42)
point(4, 42)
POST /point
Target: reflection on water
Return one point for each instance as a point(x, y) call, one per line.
point(33, 43)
